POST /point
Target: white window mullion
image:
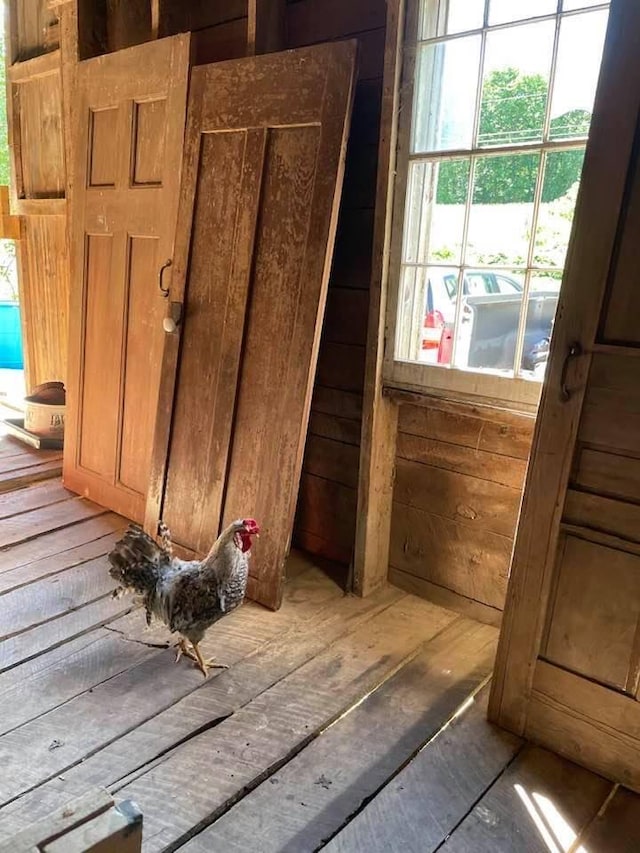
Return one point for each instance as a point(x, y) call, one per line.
point(440, 119)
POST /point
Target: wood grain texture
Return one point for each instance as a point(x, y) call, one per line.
point(44, 298)
point(313, 615)
point(429, 797)
point(595, 512)
point(266, 21)
point(445, 597)
point(476, 427)
point(595, 234)
point(478, 503)
point(19, 528)
point(120, 240)
point(308, 800)
point(38, 134)
point(587, 723)
point(256, 434)
point(594, 612)
point(471, 562)
point(32, 29)
point(617, 829)
point(518, 811)
point(380, 415)
point(277, 724)
point(341, 364)
point(325, 518)
point(213, 333)
point(460, 459)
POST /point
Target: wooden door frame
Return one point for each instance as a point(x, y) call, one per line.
point(379, 412)
point(613, 138)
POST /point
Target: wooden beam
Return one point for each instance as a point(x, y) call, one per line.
point(8, 223)
point(265, 26)
point(380, 413)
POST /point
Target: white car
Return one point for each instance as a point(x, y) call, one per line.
point(490, 315)
point(440, 307)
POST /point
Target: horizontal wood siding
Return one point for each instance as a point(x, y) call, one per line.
point(459, 478)
point(325, 520)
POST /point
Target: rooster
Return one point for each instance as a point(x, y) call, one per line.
point(188, 596)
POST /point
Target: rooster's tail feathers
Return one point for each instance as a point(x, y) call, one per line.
point(136, 560)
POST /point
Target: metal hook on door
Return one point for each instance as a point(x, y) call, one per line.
point(164, 290)
point(575, 350)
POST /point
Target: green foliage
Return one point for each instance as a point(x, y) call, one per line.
point(4, 144)
point(512, 111)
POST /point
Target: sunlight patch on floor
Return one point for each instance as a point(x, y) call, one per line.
point(557, 834)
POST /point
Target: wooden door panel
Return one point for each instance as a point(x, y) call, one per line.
point(587, 723)
point(568, 664)
point(593, 615)
point(150, 119)
point(40, 138)
point(143, 356)
point(103, 163)
point(597, 513)
point(254, 259)
point(278, 345)
point(607, 473)
point(101, 365)
point(129, 145)
point(227, 191)
point(611, 412)
point(623, 302)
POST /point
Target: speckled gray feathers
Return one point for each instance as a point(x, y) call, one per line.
point(187, 596)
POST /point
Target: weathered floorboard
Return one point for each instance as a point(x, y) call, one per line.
point(311, 797)
point(269, 730)
point(422, 805)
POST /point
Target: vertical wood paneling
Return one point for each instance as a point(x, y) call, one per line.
point(325, 520)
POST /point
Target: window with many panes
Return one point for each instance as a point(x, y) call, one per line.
point(495, 109)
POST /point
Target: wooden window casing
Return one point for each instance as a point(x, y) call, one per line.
point(509, 389)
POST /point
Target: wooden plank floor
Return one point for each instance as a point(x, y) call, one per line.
point(21, 464)
point(343, 724)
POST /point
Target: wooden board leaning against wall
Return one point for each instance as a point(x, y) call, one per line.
point(262, 180)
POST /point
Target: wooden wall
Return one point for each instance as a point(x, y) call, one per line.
point(459, 477)
point(38, 184)
point(325, 522)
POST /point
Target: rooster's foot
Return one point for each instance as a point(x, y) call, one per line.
point(205, 665)
point(194, 654)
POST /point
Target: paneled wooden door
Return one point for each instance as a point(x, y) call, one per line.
point(568, 668)
point(264, 158)
point(128, 149)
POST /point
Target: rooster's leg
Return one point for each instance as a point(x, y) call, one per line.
point(181, 645)
point(204, 665)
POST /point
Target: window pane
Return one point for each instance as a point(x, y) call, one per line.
point(569, 5)
point(559, 193)
point(456, 16)
point(426, 310)
point(413, 211)
point(436, 199)
point(501, 213)
point(433, 313)
point(489, 318)
point(501, 11)
point(515, 84)
point(445, 95)
point(541, 310)
point(577, 71)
